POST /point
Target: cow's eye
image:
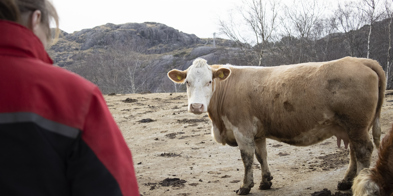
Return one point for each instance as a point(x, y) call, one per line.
point(188, 84)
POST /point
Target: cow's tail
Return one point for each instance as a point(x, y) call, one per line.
point(374, 65)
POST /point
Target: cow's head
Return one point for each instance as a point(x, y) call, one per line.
point(200, 81)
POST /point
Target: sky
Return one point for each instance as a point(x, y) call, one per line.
point(199, 17)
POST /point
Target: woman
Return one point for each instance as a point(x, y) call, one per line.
point(57, 136)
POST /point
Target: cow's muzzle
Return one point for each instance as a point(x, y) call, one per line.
point(196, 108)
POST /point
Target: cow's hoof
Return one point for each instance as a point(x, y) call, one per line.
point(265, 186)
point(344, 185)
point(243, 191)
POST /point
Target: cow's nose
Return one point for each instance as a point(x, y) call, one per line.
point(196, 108)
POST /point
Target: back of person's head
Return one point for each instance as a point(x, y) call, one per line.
point(19, 11)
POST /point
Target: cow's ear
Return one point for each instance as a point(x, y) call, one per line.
point(177, 76)
point(222, 73)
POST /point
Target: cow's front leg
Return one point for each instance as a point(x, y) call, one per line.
point(247, 148)
point(248, 181)
point(261, 154)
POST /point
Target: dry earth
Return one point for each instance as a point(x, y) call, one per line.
point(174, 153)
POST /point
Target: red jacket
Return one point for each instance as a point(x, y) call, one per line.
point(57, 136)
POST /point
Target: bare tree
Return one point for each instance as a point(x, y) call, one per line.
point(322, 34)
point(230, 28)
point(369, 9)
point(262, 25)
point(350, 19)
point(260, 16)
point(119, 68)
point(389, 14)
point(302, 20)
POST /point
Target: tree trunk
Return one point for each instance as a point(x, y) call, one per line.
point(368, 40)
point(131, 75)
point(388, 63)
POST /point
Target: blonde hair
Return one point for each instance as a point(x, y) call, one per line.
point(12, 9)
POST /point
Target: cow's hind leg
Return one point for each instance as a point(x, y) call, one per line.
point(346, 183)
point(261, 154)
point(361, 150)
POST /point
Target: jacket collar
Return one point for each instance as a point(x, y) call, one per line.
point(17, 40)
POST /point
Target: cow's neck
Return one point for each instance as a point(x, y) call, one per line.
point(218, 95)
point(215, 108)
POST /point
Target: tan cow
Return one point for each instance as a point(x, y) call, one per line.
point(298, 104)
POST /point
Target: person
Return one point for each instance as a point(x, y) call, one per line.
point(57, 136)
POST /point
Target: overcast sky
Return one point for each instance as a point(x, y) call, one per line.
point(199, 17)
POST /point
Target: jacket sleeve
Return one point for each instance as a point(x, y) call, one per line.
point(100, 162)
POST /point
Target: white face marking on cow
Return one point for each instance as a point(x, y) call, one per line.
point(199, 80)
point(199, 86)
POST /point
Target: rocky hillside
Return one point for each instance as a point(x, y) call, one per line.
point(146, 38)
point(135, 57)
point(137, 51)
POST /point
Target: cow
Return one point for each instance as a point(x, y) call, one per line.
point(300, 105)
point(377, 181)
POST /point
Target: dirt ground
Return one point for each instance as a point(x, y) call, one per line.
point(174, 153)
